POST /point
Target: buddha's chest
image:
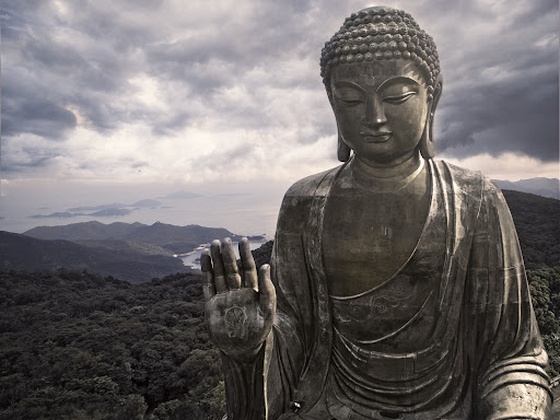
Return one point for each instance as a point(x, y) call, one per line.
point(367, 238)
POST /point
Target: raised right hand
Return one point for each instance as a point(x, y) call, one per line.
point(239, 308)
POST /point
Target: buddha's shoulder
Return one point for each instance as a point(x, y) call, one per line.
point(462, 179)
point(310, 185)
point(466, 180)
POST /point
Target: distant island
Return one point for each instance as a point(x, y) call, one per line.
point(103, 210)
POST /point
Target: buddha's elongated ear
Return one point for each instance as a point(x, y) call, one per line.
point(343, 150)
point(427, 143)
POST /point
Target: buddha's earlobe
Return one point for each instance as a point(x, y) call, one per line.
point(343, 151)
point(427, 144)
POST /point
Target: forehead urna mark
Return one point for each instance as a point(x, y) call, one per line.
point(369, 79)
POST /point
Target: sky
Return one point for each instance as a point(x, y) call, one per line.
point(221, 102)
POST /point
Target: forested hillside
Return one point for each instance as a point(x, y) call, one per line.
point(537, 220)
point(74, 345)
point(132, 261)
point(176, 239)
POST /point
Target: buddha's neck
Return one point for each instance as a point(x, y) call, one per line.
point(386, 178)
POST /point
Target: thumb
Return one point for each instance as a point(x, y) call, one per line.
point(267, 291)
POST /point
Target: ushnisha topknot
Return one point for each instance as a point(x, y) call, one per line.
point(381, 33)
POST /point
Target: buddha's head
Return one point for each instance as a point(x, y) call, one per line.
point(383, 80)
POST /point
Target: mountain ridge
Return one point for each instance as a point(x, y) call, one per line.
point(126, 262)
point(134, 252)
point(177, 239)
point(541, 186)
point(120, 246)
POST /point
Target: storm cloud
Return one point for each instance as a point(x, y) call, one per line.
point(92, 87)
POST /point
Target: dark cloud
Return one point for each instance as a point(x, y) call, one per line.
point(44, 117)
point(37, 115)
point(26, 158)
point(253, 65)
point(533, 13)
point(168, 124)
point(50, 56)
point(45, 75)
point(219, 55)
point(516, 114)
point(500, 69)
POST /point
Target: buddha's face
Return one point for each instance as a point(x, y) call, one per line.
point(381, 109)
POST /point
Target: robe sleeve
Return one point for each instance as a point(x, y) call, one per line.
point(262, 388)
point(265, 387)
point(509, 356)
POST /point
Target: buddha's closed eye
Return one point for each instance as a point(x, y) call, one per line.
point(398, 99)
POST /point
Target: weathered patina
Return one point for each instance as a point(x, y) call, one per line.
point(397, 288)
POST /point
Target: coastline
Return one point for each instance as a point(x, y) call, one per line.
point(191, 259)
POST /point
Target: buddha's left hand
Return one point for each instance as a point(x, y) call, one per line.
point(240, 304)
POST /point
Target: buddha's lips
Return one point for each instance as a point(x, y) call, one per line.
point(377, 136)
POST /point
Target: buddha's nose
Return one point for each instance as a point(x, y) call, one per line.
point(374, 113)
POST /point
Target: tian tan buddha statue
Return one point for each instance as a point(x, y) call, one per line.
point(397, 288)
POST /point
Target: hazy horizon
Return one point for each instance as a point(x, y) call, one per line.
point(122, 101)
point(248, 212)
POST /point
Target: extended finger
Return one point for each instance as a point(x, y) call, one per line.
point(248, 264)
point(219, 277)
point(230, 264)
point(206, 265)
point(267, 291)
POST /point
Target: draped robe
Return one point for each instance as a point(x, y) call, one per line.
point(484, 353)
